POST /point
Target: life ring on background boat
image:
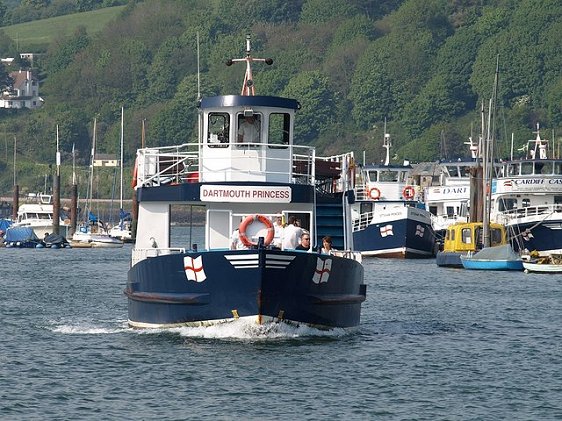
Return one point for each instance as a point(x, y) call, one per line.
point(409, 192)
point(249, 220)
point(374, 193)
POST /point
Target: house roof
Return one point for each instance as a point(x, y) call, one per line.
point(20, 77)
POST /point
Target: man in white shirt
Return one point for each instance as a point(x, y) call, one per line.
point(291, 234)
point(249, 130)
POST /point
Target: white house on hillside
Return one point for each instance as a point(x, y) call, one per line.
point(24, 92)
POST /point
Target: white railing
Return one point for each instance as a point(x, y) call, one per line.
point(145, 253)
point(182, 163)
point(529, 211)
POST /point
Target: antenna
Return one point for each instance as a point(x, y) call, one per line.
point(198, 71)
point(248, 88)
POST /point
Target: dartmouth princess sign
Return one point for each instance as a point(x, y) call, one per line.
point(265, 194)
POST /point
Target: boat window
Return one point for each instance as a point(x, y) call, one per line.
point(218, 127)
point(507, 204)
point(496, 236)
point(278, 133)
point(513, 169)
point(450, 211)
point(526, 168)
point(547, 168)
point(558, 168)
point(373, 176)
point(403, 176)
point(249, 129)
point(526, 203)
point(388, 176)
point(466, 235)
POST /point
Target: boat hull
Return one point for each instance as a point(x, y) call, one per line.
point(449, 259)
point(486, 264)
point(542, 267)
point(544, 236)
point(212, 287)
point(403, 237)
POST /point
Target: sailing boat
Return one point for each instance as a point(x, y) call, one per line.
point(122, 231)
point(501, 257)
point(90, 233)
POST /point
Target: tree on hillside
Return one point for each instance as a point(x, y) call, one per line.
point(62, 51)
point(5, 80)
point(3, 9)
point(312, 90)
point(318, 11)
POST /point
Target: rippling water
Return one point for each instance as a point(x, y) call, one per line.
point(433, 344)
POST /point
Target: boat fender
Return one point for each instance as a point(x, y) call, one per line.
point(374, 193)
point(409, 192)
point(249, 220)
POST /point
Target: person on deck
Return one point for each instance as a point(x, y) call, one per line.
point(305, 242)
point(249, 130)
point(327, 245)
point(291, 234)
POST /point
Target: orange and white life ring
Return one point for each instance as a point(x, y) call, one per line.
point(249, 220)
point(374, 193)
point(409, 192)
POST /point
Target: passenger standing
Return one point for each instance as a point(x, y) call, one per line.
point(278, 236)
point(291, 234)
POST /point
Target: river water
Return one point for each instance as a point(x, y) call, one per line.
point(434, 344)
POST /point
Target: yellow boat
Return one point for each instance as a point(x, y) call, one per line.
point(464, 237)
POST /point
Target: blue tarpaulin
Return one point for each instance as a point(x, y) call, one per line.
point(4, 224)
point(21, 234)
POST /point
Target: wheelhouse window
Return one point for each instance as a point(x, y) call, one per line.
point(558, 168)
point(526, 203)
point(248, 129)
point(278, 132)
point(526, 168)
point(388, 176)
point(466, 236)
point(496, 236)
point(218, 125)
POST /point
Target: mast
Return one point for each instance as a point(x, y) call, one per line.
point(248, 88)
point(489, 161)
point(91, 184)
point(121, 161)
point(56, 190)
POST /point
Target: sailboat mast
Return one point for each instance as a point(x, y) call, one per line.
point(92, 158)
point(489, 161)
point(121, 162)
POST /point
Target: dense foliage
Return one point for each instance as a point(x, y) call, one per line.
point(423, 66)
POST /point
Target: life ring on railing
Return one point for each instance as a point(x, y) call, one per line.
point(249, 220)
point(134, 180)
point(374, 193)
point(409, 192)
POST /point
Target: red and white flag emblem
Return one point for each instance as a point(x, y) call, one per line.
point(508, 183)
point(194, 269)
point(322, 272)
point(527, 235)
point(386, 230)
point(420, 230)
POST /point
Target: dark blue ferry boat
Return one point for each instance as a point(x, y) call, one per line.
point(244, 185)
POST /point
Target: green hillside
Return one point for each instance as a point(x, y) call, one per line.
point(37, 35)
point(423, 67)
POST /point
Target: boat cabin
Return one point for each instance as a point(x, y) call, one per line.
point(464, 237)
